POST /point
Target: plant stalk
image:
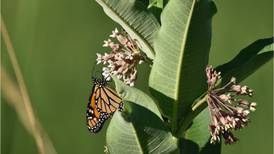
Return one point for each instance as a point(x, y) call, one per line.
point(198, 107)
point(35, 127)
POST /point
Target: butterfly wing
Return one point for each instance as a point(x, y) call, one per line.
point(108, 100)
point(102, 104)
point(95, 119)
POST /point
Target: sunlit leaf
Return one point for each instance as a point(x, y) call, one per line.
point(136, 96)
point(134, 17)
point(182, 47)
point(137, 130)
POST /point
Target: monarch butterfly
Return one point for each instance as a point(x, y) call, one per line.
point(103, 102)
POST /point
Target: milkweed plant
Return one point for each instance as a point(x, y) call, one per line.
point(191, 106)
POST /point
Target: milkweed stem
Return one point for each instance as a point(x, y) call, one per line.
point(198, 107)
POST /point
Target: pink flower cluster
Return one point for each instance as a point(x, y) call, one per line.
point(123, 59)
point(227, 111)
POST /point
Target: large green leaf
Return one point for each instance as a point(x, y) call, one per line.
point(136, 96)
point(137, 130)
point(134, 17)
point(248, 60)
point(198, 136)
point(199, 132)
point(182, 49)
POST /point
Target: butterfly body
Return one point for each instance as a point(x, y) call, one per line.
point(103, 102)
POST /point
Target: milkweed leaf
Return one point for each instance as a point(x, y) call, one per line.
point(134, 17)
point(182, 45)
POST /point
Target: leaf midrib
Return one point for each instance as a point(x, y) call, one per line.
point(126, 23)
point(178, 76)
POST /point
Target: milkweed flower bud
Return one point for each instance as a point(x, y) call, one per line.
point(123, 59)
point(227, 111)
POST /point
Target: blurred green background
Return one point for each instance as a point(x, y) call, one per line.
point(56, 42)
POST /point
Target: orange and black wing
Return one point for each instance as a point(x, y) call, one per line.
point(107, 100)
point(95, 119)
